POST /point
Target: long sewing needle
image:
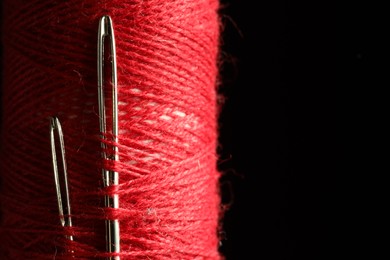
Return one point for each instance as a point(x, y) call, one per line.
point(109, 177)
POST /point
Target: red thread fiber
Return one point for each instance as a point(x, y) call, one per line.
point(167, 69)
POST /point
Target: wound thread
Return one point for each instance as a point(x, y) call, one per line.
point(168, 179)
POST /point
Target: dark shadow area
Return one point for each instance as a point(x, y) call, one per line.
point(1, 63)
point(290, 74)
point(1, 90)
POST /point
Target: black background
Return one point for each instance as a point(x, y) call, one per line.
point(296, 81)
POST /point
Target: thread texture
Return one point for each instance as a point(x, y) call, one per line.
point(167, 70)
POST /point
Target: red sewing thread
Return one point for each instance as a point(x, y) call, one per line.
point(167, 69)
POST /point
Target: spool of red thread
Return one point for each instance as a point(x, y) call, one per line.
point(167, 70)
